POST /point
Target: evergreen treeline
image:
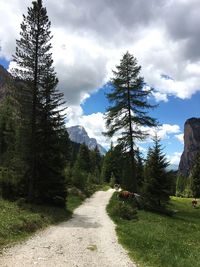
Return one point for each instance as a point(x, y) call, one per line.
point(37, 159)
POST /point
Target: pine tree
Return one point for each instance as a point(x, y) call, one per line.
point(35, 70)
point(157, 184)
point(96, 163)
point(139, 170)
point(12, 165)
point(95, 159)
point(195, 176)
point(82, 167)
point(113, 164)
point(83, 159)
point(127, 111)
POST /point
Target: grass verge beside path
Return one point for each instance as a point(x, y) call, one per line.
point(160, 241)
point(19, 221)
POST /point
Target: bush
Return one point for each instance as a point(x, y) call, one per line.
point(124, 210)
point(90, 189)
point(74, 191)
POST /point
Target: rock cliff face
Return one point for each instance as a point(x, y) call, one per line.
point(5, 79)
point(79, 135)
point(191, 145)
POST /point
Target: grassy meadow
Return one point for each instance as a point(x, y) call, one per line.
point(155, 240)
point(19, 221)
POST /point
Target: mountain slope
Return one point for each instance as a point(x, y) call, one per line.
point(5, 82)
point(191, 145)
point(79, 135)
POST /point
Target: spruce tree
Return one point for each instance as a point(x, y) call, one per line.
point(127, 111)
point(157, 184)
point(107, 166)
point(113, 163)
point(83, 159)
point(82, 167)
point(12, 165)
point(96, 159)
point(139, 170)
point(35, 69)
point(96, 162)
point(195, 176)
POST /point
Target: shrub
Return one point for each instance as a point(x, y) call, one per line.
point(124, 210)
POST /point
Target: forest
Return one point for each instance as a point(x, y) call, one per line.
point(38, 161)
point(40, 165)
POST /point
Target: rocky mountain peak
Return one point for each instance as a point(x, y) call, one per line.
point(79, 135)
point(191, 145)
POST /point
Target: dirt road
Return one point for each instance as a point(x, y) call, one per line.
point(86, 240)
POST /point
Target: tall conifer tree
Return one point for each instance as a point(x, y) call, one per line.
point(157, 183)
point(128, 108)
point(35, 69)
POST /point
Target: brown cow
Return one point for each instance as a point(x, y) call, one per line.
point(125, 195)
point(194, 203)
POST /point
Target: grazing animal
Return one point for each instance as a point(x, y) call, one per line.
point(116, 187)
point(126, 195)
point(194, 203)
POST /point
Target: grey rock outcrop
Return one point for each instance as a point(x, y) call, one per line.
point(191, 145)
point(79, 135)
point(5, 81)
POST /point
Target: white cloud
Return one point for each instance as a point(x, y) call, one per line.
point(160, 97)
point(95, 125)
point(174, 158)
point(90, 37)
point(163, 131)
point(167, 129)
point(180, 137)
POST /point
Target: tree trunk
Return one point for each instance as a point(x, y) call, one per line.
point(33, 122)
point(132, 154)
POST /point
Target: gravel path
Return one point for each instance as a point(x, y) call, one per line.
point(86, 240)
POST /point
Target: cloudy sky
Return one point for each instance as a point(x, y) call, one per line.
point(90, 37)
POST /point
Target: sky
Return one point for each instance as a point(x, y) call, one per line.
point(89, 39)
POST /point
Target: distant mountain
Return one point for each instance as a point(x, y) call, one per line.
point(191, 146)
point(79, 135)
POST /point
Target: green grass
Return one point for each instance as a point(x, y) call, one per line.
point(102, 187)
point(19, 221)
point(160, 241)
point(73, 201)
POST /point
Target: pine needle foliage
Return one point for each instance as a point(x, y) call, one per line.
point(128, 107)
point(34, 69)
point(157, 183)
